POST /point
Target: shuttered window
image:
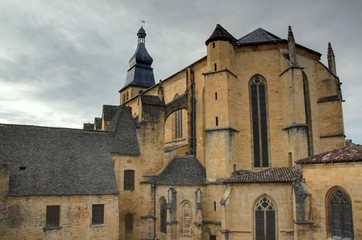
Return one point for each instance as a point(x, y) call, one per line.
point(128, 183)
point(52, 216)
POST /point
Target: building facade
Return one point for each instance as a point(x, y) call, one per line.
point(245, 143)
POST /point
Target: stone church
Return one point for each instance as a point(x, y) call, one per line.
point(245, 143)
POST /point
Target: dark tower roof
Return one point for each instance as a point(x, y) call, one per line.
point(259, 36)
point(221, 34)
point(140, 72)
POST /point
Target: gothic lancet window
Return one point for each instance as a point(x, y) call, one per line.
point(340, 215)
point(178, 124)
point(265, 222)
point(259, 121)
point(163, 215)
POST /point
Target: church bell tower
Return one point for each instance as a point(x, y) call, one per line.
point(140, 73)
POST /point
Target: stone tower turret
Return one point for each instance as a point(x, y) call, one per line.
point(220, 100)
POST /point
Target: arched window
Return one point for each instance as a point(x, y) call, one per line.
point(259, 121)
point(163, 215)
point(128, 180)
point(265, 223)
point(178, 124)
point(172, 201)
point(186, 219)
point(340, 215)
point(128, 222)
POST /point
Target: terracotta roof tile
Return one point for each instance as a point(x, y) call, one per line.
point(352, 153)
point(271, 175)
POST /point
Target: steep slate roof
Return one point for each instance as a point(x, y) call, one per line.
point(124, 133)
point(259, 36)
point(185, 170)
point(271, 175)
point(220, 33)
point(60, 161)
point(352, 153)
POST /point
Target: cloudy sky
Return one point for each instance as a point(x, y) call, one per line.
point(60, 61)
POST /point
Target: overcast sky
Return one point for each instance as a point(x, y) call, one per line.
point(60, 61)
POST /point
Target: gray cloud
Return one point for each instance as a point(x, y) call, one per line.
point(61, 60)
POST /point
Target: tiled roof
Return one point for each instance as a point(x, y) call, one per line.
point(60, 161)
point(221, 34)
point(124, 133)
point(259, 36)
point(186, 170)
point(271, 175)
point(352, 153)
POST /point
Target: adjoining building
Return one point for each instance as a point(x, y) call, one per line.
point(245, 143)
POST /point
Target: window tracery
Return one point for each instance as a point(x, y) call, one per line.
point(265, 222)
point(259, 121)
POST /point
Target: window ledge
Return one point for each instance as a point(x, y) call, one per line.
point(96, 225)
point(47, 228)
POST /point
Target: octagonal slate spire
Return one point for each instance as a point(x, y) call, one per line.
point(140, 72)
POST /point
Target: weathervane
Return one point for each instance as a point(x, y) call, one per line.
point(142, 21)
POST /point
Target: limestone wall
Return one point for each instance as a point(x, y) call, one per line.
point(25, 218)
point(240, 207)
point(321, 179)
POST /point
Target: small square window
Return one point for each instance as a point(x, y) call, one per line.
point(52, 217)
point(97, 214)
